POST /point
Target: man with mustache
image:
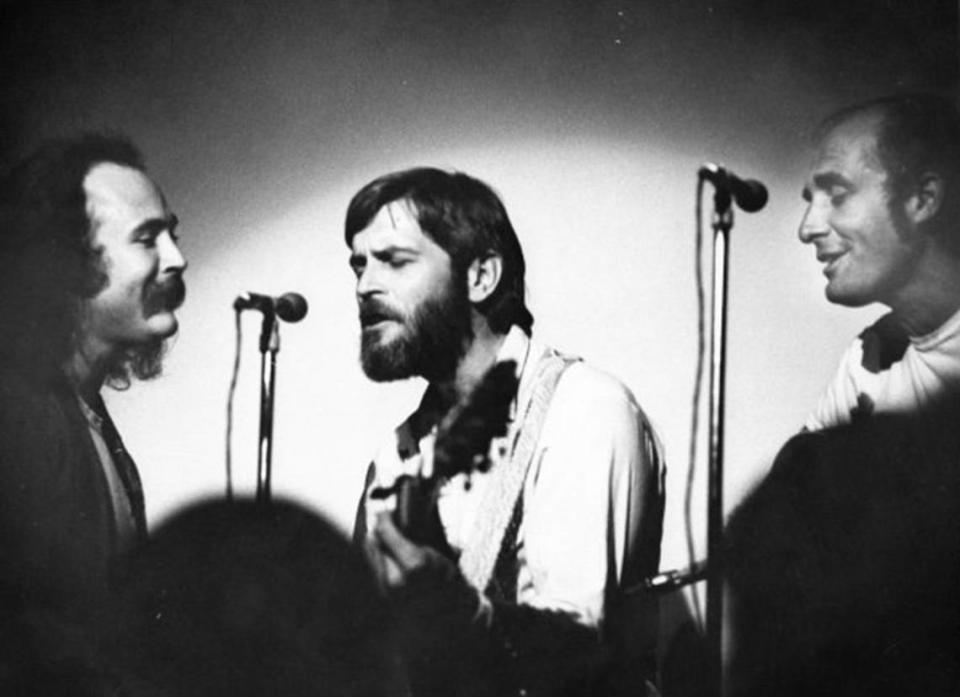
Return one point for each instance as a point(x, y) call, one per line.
point(883, 213)
point(91, 276)
point(525, 592)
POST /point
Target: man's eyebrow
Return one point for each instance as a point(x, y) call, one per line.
point(157, 225)
point(826, 180)
point(358, 259)
point(394, 249)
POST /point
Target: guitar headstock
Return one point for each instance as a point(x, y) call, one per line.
point(464, 434)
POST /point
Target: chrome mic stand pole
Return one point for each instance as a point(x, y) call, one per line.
point(722, 223)
point(750, 195)
point(269, 345)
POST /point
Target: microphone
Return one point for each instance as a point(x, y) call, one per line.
point(749, 194)
point(290, 307)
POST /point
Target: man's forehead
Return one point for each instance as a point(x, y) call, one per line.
point(850, 144)
point(394, 219)
point(111, 187)
point(400, 214)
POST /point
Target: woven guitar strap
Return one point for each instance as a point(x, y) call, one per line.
point(479, 556)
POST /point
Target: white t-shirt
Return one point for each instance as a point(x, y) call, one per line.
point(928, 370)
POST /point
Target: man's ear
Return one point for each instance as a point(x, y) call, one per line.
point(483, 276)
point(927, 197)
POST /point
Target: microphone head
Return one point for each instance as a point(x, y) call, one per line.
point(291, 307)
point(750, 195)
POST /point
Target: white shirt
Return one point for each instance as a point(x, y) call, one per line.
point(592, 497)
point(929, 370)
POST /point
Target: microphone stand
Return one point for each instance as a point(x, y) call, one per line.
point(269, 344)
point(722, 223)
point(712, 569)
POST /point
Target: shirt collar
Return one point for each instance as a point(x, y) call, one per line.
point(90, 414)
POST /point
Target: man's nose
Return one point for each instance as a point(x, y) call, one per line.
point(368, 281)
point(171, 258)
point(814, 223)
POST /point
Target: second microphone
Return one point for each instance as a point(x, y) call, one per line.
point(290, 307)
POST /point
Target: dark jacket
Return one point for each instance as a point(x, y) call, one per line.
point(844, 564)
point(57, 535)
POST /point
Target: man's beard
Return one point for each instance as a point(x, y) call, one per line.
point(431, 342)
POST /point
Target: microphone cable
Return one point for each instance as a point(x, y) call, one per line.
point(697, 392)
point(230, 394)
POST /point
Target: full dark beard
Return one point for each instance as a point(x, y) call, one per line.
point(431, 343)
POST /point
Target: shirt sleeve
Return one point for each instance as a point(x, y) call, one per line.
point(593, 499)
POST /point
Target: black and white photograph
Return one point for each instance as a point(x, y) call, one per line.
point(476, 348)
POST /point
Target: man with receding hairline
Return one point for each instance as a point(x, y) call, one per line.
point(90, 278)
point(842, 565)
point(883, 214)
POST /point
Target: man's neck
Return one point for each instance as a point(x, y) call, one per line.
point(475, 362)
point(86, 370)
point(934, 298)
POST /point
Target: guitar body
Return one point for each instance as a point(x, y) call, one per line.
point(416, 514)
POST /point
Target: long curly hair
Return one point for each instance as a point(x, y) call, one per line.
point(48, 264)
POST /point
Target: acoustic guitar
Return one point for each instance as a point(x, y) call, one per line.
point(462, 446)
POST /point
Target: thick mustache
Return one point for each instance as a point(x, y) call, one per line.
point(373, 311)
point(168, 294)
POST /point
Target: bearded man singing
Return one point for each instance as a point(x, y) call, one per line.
point(524, 594)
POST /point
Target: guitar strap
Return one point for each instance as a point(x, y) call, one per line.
point(494, 531)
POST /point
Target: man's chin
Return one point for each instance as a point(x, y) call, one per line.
point(162, 325)
point(385, 363)
point(384, 371)
point(845, 298)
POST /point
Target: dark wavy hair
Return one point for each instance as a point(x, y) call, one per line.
point(48, 264)
point(466, 218)
point(917, 133)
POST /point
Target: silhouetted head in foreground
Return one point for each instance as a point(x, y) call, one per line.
point(250, 599)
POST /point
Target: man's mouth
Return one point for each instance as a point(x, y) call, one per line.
point(829, 260)
point(372, 318)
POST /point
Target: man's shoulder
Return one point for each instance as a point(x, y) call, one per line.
point(586, 394)
point(23, 395)
point(40, 419)
point(587, 380)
